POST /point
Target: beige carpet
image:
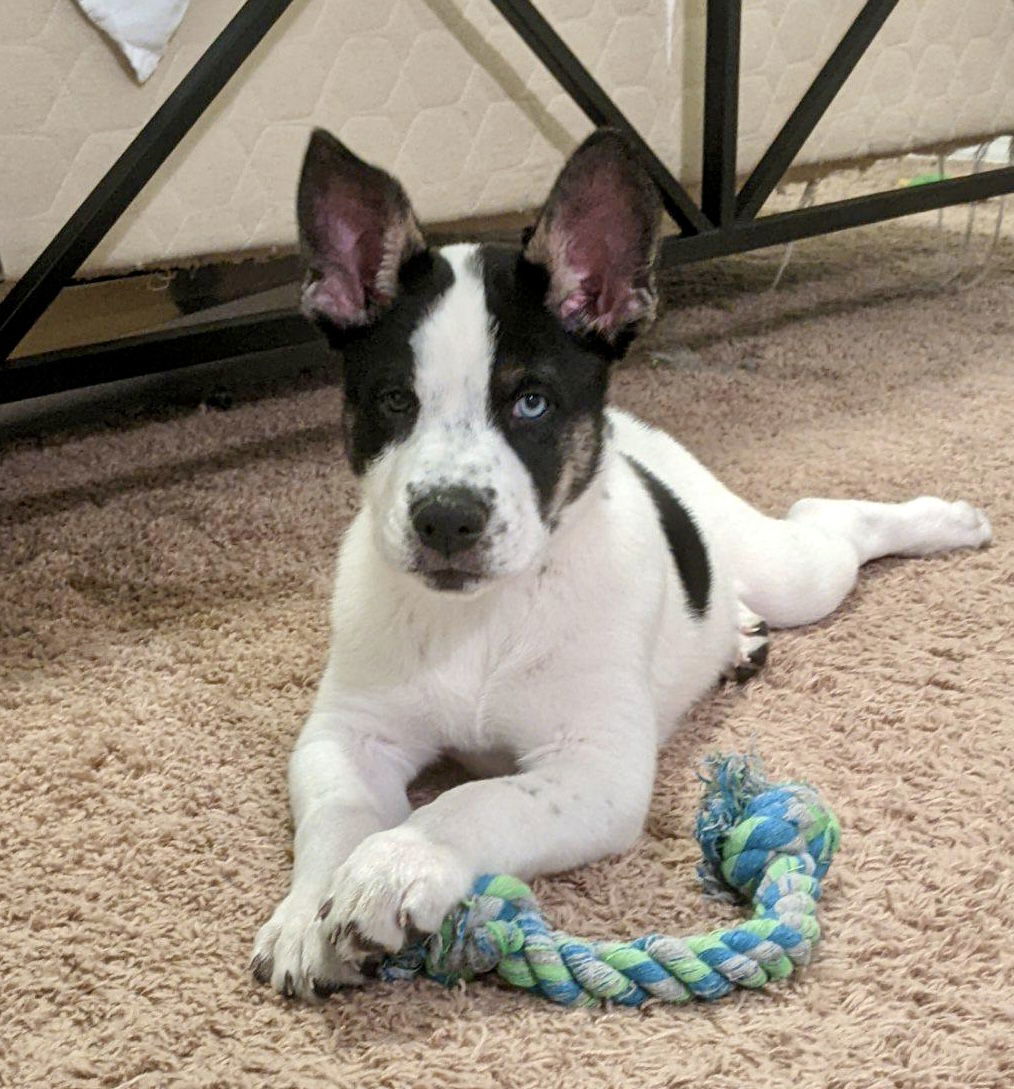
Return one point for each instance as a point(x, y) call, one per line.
point(163, 623)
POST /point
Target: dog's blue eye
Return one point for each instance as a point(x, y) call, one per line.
point(530, 407)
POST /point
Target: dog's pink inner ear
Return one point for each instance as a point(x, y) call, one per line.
point(597, 236)
point(346, 255)
point(357, 229)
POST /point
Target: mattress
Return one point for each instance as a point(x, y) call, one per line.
point(447, 96)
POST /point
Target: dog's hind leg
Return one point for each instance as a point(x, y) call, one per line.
point(798, 569)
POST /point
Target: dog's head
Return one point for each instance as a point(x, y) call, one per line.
point(475, 376)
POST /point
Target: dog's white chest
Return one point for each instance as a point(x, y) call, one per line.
point(471, 673)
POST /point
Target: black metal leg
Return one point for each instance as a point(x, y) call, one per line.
point(578, 82)
point(40, 285)
point(152, 353)
point(721, 110)
point(753, 234)
point(812, 107)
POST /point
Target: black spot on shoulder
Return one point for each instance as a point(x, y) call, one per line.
point(685, 544)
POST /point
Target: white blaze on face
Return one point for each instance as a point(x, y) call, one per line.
point(454, 443)
point(453, 349)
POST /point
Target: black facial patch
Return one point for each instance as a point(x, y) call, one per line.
point(378, 360)
point(534, 354)
point(685, 544)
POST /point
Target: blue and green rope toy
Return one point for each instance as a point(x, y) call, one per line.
point(770, 844)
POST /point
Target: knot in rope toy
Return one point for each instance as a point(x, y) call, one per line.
point(769, 844)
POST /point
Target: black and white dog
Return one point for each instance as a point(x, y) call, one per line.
point(536, 583)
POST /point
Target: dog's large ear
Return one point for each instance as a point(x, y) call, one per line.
point(356, 228)
point(596, 237)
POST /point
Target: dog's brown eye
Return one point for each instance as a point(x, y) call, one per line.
point(397, 401)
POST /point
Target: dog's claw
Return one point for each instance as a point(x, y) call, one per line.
point(289, 988)
point(261, 966)
point(754, 662)
point(361, 944)
point(413, 935)
point(323, 988)
point(325, 908)
point(753, 649)
point(370, 967)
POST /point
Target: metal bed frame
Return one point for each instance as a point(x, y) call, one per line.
point(725, 221)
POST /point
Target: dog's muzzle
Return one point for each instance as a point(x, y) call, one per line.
point(449, 524)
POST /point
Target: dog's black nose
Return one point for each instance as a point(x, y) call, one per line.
point(450, 520)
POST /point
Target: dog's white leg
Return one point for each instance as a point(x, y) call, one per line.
point(579, 798)
point(344, 785)
point(919, 527)
point(799, 569)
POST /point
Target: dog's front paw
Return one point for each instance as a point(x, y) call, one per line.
point(394, 882)
point(292, 953)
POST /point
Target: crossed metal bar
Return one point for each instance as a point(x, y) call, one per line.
point(725, 221)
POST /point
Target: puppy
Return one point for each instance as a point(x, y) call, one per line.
point(536, 583)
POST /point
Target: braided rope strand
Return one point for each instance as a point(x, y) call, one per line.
point(768, 844)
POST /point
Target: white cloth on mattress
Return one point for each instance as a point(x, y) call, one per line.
point(141, 28)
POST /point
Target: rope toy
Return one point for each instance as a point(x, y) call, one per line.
point(769, 844)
